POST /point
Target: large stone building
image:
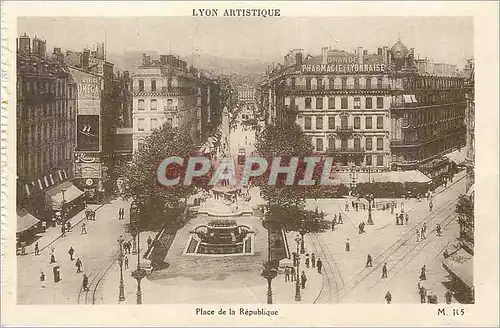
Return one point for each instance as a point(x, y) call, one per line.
point(380, 111)
point(166, 91)
point(246, 93)
point(470, 123)
point(46, 116)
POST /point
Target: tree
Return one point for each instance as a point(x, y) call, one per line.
point(465, 211)
point(159, 205)
point(286, 204)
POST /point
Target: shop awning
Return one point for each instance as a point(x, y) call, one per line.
point(25, 220)
point(457, 156)
point(392, 176)
point(54, 196)
point(460, 264)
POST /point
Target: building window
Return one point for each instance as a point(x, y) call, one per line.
point(344, 83)
point(357, 103)
point(141, 85)
point(356, 83)
point(331, 103)
point(368, 123)
point(153, 85)
point(343, 103)
point(308, 84)
point(380, 102)
point(140, 124)
point(380, 143)
point(153, 104)
point(357, 144)
point(380, 122)
point(368, 160)
point(380, 160)
point(379, 83)
point(154, 123)
point(357, 122)
point(319, 123)
point(343, 122)
point(369, 104)
point(368, 143)
point(308, 103)
point(331, 142)
point(140, 104)
point(368, 82)
point(319, 144)
point(331, 123)
point(319, 103)
point(307, 123)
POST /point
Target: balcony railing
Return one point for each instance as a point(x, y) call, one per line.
point(337, 87)
point(345, 150)
point(344, 129)
point(165, 91)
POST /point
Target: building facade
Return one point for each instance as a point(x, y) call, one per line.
point(166, 91)
point(46, 116)
point(427, 114)
point(246, 93)
point(470, 123)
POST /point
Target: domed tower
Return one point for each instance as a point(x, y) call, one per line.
point(399, 53)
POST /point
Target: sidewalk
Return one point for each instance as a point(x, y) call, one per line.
point(94, 250)
point(54, 233)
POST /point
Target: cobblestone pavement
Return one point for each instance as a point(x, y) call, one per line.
point(94, 250)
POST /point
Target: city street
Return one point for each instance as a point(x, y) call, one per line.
point(94, 249)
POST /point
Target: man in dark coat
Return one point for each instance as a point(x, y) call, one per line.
point(85, 283)
point(369, 261)
point(319, 265)
point(384, 271)
point(78, 265)
point(303, 279)
point(313, 260)
point(71, 252)
point(388, 297)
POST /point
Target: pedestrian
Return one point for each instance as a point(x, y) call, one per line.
point(313, 260)
point(432, 298)
point(407, 217)
point(392, 208)
point(37, 250)
point(84, 228)
point(85, 283)
point(126, 262)
point(357, 207)
point(423, 294)
point(439, 230)
point(42, 279)
point(149, 241)
point(423, 275)
point(319, 264)
point(397, 219)
point(303, 279)
point(430, 206)
point(44, 226)
point(353, 205)
point(445, 254)
point(369, 261)
point(287, 274)
point(384, 271)
point(52, 258)
point(78, 265)
point(56, 273)
point(71, 252)
point(341, 221)
point(448, 296)
point(418, 235)
point(388, 297)
point(425, 227)
point(68, 226)
point(292, 273)
point(347, 246)
point(307, 260)
point(346, 206)
point(63, 230)
point(422, 233)
point(333, 223)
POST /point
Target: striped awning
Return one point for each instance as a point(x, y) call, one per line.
point(25, 220)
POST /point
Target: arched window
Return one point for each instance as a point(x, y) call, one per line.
point(153, 104)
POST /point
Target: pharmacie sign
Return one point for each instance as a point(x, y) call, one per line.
point(344, 65)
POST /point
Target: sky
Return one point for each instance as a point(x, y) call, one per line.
point(445, 39)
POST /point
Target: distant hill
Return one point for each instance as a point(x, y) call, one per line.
point(130, 61)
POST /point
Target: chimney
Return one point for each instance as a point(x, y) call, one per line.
point(163, 60)
point(298, 61)
point(24, 44)
point(144, 60)
point(385, 55)
point(361, 57)
point(36, 46)
point(324, 54)
point(365, 53)
point(379, 51)
point(86, 59)
point(100, 50)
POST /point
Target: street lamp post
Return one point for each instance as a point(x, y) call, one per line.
point(270, 272)
point(121, 296)
point(297, 283)
point(63, 203)
point(298, 240)
point(139, 273)
point(369, 198)
point(302, 232)
point(354, 176)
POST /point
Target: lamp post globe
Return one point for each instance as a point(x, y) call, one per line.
point(369, 198)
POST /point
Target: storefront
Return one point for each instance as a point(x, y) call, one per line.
point(27, 227)
point(65, 198)
point(459, 264)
